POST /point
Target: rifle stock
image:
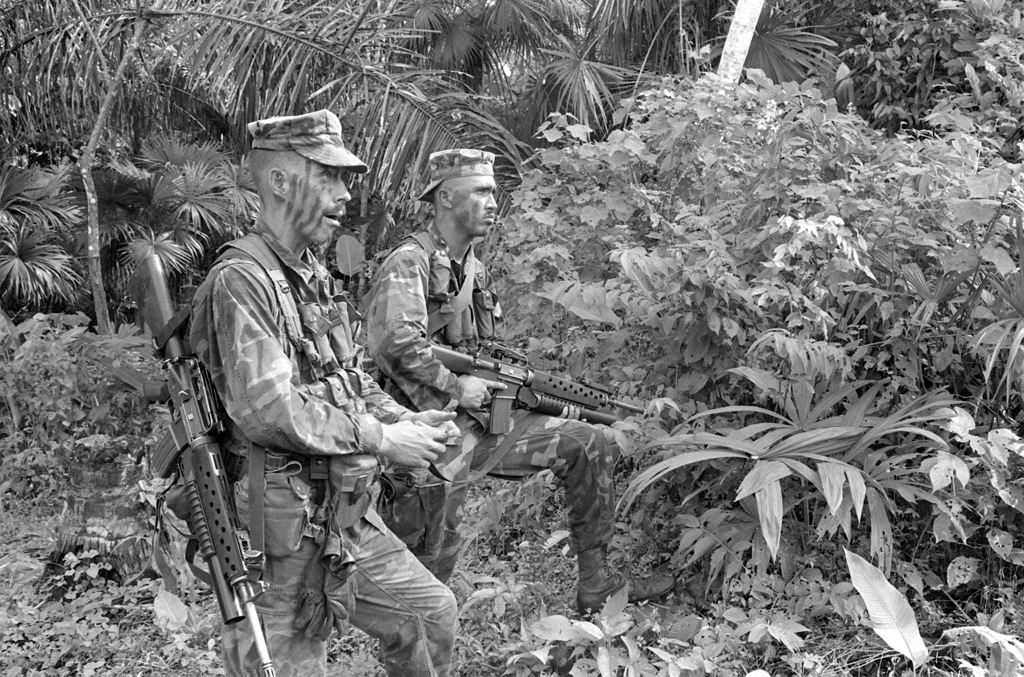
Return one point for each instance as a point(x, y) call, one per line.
point(528, 388)
point(192, 450)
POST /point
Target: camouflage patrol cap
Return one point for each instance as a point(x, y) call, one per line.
point(455, 163)
point(316, 136)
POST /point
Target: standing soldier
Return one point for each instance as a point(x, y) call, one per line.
point(433, 289)
point(306, 427)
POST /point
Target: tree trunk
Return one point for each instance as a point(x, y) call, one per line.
point(737, 43)
point(85, 162)
point(105, 521)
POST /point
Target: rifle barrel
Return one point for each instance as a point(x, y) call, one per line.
point(628, 407)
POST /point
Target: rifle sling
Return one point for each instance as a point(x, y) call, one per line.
point(502, 450)
point(172, 326)
point(257, 487)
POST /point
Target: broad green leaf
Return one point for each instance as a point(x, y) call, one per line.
point(986, 184)
point(1002, 544)
point(350, 255)
point(632, 648)
point(961, 571)
point(763, 379)
point(998, 257)
point(763, 474)
point(785, 631)
point(835, 438)
point(911, 576)
point(559, 628)
point(587, 301)
point(833, 478)
point(769, 510)
point(858, 490)
point(989, 637)
point(541, 654)
point(555, 538)
point(889, 611)
point(171, 613)
point(606, 664)
point(616, 604)
point(943, 468)
point(961, 423)
point(978, 211)
point(881, 528)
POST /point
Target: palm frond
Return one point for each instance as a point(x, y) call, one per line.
point(34, 270)
point(174, 257)
point(582, 87)
point(528, 26)
point(37, 197)
point(164, 151)
point(399, 129)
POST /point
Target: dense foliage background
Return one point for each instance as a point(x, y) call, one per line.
point(813, 279)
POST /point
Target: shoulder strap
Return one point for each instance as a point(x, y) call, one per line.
point(424, 240)
point(255, 248)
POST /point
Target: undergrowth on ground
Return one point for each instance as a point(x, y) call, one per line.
point(516, 588)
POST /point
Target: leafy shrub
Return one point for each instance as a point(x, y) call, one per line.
point(718, 215)
point(955, 66)
point(99, 628)
point(63, 407)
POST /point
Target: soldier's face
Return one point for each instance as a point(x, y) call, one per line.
point(315, 200)
point(473, 204)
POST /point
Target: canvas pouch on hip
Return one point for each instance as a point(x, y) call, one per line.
point(327, 593)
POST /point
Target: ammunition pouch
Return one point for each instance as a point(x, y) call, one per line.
point(350, 479)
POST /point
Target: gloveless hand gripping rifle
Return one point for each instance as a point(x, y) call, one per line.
point(529, 388)
point(192, 449)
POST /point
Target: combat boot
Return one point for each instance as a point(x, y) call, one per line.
point(595, 587)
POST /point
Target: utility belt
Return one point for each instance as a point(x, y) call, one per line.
point(341, 485)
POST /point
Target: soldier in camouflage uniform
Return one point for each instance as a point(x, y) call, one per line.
point(286, 370)
point(419, 295)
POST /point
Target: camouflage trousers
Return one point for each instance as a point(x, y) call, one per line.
point(427, 516)
point(390, 596)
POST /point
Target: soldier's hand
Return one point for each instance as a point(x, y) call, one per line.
point(572, 412)
point(476, 392)
point(411, 443)
point(436, 418)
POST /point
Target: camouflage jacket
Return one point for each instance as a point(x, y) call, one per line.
point(271, 395)
point(409, 285)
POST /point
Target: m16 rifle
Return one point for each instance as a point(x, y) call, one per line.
point(528, 388)
point(192, 450)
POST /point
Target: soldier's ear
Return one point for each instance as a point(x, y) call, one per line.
point(278, 181)
point(444, 197)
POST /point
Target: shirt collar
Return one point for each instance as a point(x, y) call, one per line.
point(303, 265)
point(442, 245)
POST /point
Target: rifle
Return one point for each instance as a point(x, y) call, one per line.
point(528, 388)
point(191, 450)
